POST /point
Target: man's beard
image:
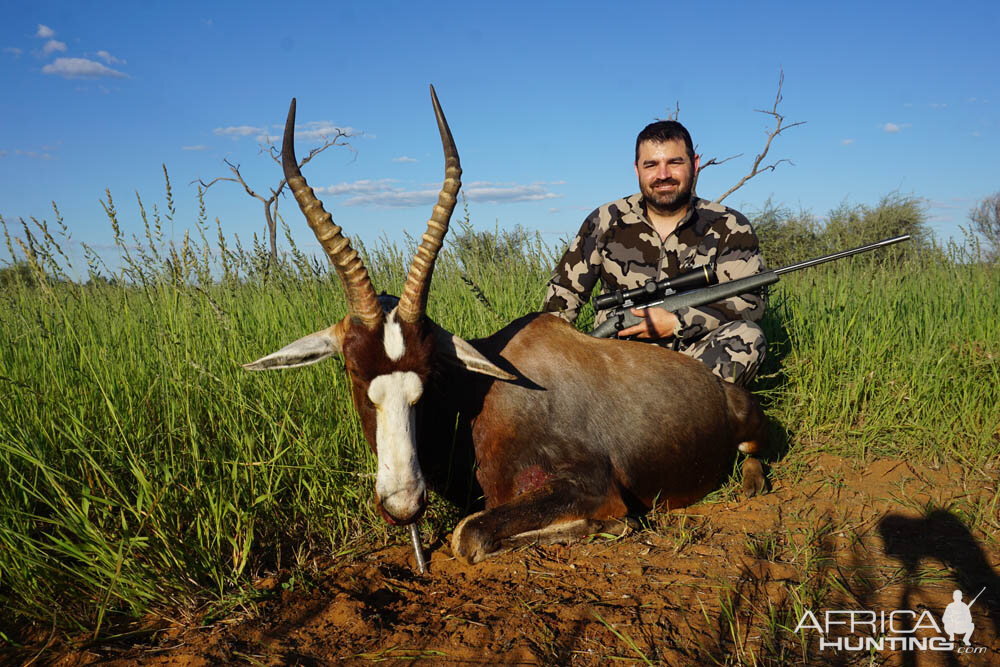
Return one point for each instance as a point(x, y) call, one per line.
point(668, 203)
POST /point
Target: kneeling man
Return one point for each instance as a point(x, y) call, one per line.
point(662, 231)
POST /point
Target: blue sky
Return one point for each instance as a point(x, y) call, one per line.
point(544, 99)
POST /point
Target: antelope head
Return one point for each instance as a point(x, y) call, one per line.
point(388, 345)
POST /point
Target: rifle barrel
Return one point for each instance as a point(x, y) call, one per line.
point(843, 253)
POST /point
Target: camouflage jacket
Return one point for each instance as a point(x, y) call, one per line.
point(618, 246)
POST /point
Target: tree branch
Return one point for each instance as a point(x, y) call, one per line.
point(272, 202)
point(778, 129)
point(672, 115)
point(235, 168)
point(275, 153)
point(716, 161)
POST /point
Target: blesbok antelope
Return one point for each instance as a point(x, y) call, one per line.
point(565, 432)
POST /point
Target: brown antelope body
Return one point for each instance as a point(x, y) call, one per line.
point(564, 432)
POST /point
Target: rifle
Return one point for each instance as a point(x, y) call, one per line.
point(690, 289)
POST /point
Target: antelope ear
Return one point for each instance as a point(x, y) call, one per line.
point(458, 352)
point(306, 350)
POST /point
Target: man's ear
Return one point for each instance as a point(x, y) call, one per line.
point(695, 174)
point(306, 350)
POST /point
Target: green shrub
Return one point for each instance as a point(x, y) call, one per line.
point(787, 237)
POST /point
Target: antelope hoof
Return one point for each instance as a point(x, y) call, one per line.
point(754, 482)
point(470, 542)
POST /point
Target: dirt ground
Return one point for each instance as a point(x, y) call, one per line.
point(723, 582)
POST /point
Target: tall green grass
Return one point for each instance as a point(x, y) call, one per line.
point(143, 472)
point(891, 360)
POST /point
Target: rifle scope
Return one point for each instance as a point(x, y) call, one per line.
point(700, 277)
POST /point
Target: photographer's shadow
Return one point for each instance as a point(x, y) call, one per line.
point(941, 536)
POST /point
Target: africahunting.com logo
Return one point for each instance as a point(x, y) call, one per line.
point(899, 630)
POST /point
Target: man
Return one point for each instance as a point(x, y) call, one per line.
point(957, 618)
point(660, 232)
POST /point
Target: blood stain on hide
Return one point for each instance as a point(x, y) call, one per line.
point(530, 478)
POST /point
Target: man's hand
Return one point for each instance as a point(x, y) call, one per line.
point(656, 323)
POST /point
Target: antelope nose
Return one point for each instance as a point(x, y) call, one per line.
point(403, 507)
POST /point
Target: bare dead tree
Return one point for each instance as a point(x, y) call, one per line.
point(771, 134)
point(779, 127)
point(271, 202)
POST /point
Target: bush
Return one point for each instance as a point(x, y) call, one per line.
point(786, 237)
point(985, 218)
point(849, 226)
point(18, 273)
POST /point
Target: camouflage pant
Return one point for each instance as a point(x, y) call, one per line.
point(733, 352)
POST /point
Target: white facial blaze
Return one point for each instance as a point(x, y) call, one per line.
point(392, 338)
point(399, 481)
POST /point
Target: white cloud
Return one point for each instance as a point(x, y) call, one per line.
point(13, 50)
point(34, 155)
point(237, 131)
point(483, 191)
point(365, 186)
point(199, 147)
point(109, 59)
point(945, 205)
point(938, 105)
point(396, 198)
point(385, 192)
point(52, 46)
point(846, 142)
point(45, 32)
point(321, 129)
point(893, 128)
point(313, 131)
point(403, 158)
point(80, 68)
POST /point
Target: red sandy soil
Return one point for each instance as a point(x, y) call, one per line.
point(723, 582)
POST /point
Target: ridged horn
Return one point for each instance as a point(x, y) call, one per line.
point(413, 301)
point(361, 301)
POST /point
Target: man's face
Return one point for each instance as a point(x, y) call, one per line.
point(666, 174)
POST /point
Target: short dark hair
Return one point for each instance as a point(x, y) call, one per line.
point(664, 130)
